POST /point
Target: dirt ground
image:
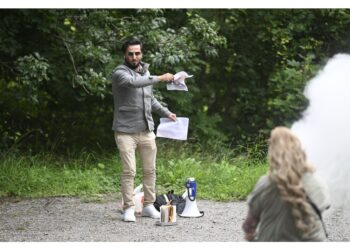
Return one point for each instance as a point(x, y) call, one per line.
point(62, 219)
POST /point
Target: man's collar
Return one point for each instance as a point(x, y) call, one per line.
point(143, 70)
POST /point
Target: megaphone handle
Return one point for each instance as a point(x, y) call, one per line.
point(188, 195)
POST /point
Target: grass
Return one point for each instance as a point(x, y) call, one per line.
point(49, 175)
point(219, 176)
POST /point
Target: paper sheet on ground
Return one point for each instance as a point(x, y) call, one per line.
point(173, 129)
point(179, 82)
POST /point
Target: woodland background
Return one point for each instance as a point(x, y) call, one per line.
point(250, 68)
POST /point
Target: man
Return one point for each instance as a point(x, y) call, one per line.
point(133, 125)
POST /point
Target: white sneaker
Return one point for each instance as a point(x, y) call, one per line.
point(150, 211)
point(129, 215)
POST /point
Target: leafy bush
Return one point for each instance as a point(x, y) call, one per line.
point(219, 176)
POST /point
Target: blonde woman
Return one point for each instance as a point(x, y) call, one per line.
point(283, 205)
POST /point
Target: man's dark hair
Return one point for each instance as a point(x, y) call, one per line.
point(133, 41)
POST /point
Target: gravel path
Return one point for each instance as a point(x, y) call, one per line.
point(61, 219)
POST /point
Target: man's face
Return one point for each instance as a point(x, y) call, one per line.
point(133, 55)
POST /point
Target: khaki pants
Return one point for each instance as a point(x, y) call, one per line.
point(145, 144)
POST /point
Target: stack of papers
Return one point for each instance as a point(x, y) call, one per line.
point(179, 82)
point(173, 129)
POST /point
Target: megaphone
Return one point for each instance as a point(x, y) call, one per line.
point(191, 209)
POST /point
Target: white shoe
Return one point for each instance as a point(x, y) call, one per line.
point(150, 211)
point(129, 215)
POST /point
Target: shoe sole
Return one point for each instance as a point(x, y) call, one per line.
point(129, 220)
point(150, 217)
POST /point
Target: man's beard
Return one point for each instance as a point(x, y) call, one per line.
point(132, 66)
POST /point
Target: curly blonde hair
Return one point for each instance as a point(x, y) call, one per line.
point(287, 161)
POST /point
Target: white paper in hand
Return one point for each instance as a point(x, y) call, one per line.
point(173, 129)
point(179, 82)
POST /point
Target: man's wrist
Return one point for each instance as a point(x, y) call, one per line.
point(162, 78)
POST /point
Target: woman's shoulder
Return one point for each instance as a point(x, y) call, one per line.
point(259, 189)
point(262, 184)
point(316, 189)
point(263, 181)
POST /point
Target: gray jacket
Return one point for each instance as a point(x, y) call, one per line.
point(134, 101)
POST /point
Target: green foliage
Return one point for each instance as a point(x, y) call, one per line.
point(206, 34)
point(33, 69)
point(223, 180)
point(206, 127)
point(287, 100)
point(250, 67)
point(221, 173)
point(85, 174)
point(49, 175)
point(67, 76)
point(257, 80)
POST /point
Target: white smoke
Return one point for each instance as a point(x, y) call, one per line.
point(324, 129)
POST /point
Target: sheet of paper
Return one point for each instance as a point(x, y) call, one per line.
point(173, 129)
point(179, 81)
